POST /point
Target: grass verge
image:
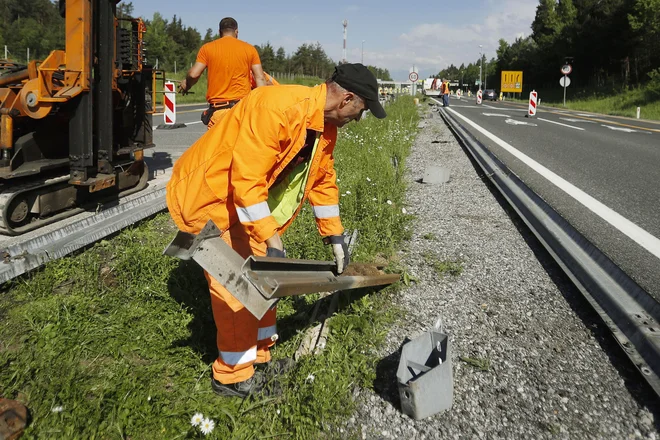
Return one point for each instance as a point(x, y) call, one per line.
point(118, 341)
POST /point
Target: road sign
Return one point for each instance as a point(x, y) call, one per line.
point(512, 81)
point(413, 76)
point(566, 69)
point(565, 81)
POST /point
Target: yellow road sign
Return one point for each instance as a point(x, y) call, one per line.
point(512, 81)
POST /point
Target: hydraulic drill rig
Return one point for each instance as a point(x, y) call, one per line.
point(73, 126)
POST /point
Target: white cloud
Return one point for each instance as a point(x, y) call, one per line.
point(433, 46)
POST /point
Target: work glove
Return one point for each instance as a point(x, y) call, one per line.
point(340, 251)
point(274, 252)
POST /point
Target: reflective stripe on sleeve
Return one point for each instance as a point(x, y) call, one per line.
point(253, 213)
point(328, 211)
point(266, 332)
point(239, 357)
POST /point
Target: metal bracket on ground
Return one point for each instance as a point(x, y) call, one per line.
point(424, 375)
point(259, 282)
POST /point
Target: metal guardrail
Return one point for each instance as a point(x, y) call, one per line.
point(31, 254)
point(630, 312)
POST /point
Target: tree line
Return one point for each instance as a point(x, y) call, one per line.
point(611, 44)
point(37, 25)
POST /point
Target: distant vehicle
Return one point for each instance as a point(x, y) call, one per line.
point(490, 95)
point(431, 87)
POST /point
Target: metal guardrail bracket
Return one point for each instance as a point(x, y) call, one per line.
point(259, 282)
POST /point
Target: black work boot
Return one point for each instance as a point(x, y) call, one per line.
point(254, 385)
point(276, 367)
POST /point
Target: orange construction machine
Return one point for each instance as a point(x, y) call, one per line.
point(74, 125)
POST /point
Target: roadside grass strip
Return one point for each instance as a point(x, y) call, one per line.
point(118, 341)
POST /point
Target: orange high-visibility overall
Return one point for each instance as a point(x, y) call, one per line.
point(226, 175)
point(229, 64)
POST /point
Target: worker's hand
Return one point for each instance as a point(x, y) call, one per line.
point(183, 87)
point(275, 247)
point(340, 251)
point(274, 252)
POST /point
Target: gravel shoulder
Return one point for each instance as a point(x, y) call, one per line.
point(555, 372)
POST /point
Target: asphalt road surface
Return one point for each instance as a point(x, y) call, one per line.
point(601, 173)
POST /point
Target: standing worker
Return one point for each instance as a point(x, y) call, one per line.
point(251, 175)
point(445, 92)
point(230, 63)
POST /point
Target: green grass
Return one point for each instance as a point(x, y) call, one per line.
point(443, 267)
point(481, 364)
point(122, 337)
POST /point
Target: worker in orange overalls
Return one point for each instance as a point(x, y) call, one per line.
point(270, 81)
point(250, 174)
point(444, 88)
point(230, 63)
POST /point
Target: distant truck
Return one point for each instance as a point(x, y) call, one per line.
point(432, 87)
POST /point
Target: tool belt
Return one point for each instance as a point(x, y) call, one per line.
point(208, 113)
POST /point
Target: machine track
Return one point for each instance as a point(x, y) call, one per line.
point(17, 202)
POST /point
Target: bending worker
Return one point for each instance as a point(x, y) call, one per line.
point(251, 174)
point(230, 63)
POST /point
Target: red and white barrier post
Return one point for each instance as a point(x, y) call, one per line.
point(533, 97)
point(170, 104)
point(479, 97)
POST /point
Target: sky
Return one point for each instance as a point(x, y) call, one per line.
point(431, 35)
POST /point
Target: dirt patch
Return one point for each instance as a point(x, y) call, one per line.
point(365, 270)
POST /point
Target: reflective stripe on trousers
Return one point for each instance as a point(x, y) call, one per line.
point(239, 332)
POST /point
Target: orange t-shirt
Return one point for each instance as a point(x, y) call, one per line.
point(229, 62)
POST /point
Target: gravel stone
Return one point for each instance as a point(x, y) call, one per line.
point(555, 371)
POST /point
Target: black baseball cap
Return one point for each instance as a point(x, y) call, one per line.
point(358, 79)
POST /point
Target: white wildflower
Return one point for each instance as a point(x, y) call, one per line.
point(197, 419)
point(310, 378)
point(57, 409)
point(207, 426)
point(337, 179)
point(404, 210)
point(348, 192)
point(149, 399)
point(389, 202)
point(374, 199)
point(368, 179)
point(278, 412)
point(343, 195)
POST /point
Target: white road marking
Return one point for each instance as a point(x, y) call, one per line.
point(586, 115)
point(559, 123)
point(625, 130)
point(630, 229)
point(514, 122)
point(577, 120)
point(488, 106)
point(495, 114)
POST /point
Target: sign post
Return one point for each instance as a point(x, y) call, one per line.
point(413, 77)
point(566, 69)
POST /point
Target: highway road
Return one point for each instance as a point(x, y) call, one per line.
point(601, 173)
